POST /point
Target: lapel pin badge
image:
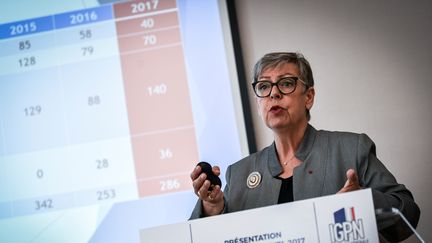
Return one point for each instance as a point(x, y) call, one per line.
point(253, 180)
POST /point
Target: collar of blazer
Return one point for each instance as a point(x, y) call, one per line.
point(302, 152)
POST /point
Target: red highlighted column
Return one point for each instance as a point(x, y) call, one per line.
point(157, 95)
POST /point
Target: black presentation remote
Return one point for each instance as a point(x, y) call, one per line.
point(207, 169)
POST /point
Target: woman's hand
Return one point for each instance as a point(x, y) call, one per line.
point(212, 201)
point(352, 182)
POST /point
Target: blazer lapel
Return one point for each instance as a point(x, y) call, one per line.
point(308, 180)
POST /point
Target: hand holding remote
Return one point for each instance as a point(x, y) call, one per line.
point(207, 186)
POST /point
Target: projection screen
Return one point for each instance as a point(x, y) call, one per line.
point(105, 109)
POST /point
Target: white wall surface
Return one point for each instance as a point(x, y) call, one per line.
point(372, 62)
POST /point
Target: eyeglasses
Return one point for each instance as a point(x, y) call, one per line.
point(285, 85)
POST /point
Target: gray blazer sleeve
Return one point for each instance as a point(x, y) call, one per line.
point(386, 191)
point(198, 213)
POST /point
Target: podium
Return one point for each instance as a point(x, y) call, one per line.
point(347, 217)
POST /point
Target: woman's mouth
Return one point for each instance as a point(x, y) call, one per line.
point(275, 109)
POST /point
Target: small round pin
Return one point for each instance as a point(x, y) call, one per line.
point(253, 180)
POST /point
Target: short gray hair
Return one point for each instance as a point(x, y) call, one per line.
point(276, 59)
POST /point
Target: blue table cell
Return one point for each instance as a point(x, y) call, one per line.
point(2, 139)
point(26, 27)
point(27, 44)
point(116, 193)
point(43, 204)
point(33, 111)
point(5, 185)
point(100, 164)
point(85, 16)
point(5, 210)
point(94, 102)
point(85, 34)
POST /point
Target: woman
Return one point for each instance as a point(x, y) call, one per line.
point(302, 162)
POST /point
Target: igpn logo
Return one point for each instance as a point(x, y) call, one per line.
point(346, 227)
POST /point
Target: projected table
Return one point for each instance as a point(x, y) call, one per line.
point(94, 108)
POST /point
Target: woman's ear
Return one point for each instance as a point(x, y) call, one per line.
point(310, 95)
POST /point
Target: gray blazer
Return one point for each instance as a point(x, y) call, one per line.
point(326, 157)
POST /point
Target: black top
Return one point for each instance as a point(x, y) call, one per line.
point(286, 191)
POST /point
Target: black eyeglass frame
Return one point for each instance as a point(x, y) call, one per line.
point(277, 85)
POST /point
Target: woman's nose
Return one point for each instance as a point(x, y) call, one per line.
point(275, 93)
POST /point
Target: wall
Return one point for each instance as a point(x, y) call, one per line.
point(372, 62)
